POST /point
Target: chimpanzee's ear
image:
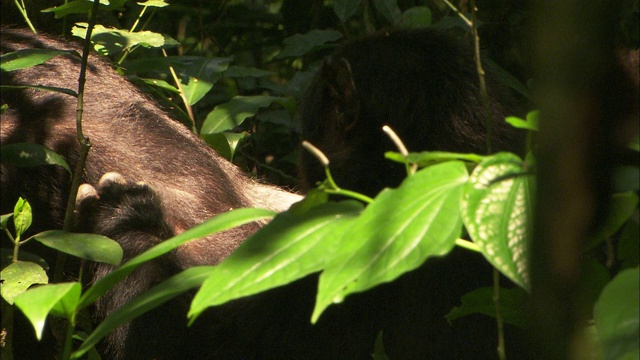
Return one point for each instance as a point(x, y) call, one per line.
point(337, 77)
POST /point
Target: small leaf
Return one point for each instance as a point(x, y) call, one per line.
point(415, 18)
point(225, 143)
point(37, 303)
point(378, 350)
point(19, 276)
point(30, 155)
point(345, 9)
point(616, 316)
point(427, 158)
point(290, 247)
point(84, 7)
point(302, 44)
point(154, 3)
point(531, 123)
point(389, 9)
point(233, 113)
point(236, 71)
point(158, 295)
point(396, 233)
point(480, 301)
point(496, 209)
point(4, 220)
point(85, 246)
point(22, 217)
point(108, 41)
point(26, 58)
point(622, 207)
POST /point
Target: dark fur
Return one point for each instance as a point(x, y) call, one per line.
point(133, 137)
point(424, 84)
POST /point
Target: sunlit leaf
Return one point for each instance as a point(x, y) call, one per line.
point(233, 113)
point(396, 233)
point(85, 246)
point(216, 224)
point(19, 276)
point(496, 209)
point(26, 58)
point(38, 303)
point(292, 246)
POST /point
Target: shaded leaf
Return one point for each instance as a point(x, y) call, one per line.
point(302, 44)
point(345, 9)
point(389, 9)
point(30, 155)
point(415, 18)
point(480, 301)
point(616, 316)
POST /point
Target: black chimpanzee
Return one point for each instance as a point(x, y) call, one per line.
point(421, 83)
point(186, 182)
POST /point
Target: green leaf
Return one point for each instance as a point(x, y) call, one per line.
point(40, 87)
point(415, 18)
point(226, 143)
point(396, 233)
point(154, 3)
point(480, 301)
point(85, 246)
point(204, 73)
point(22, 217)
point(629, 247)
point(108, 41)
point(30, 155)
point(19, 276)
point(26, 58)
point(292, 246)
point(84, 7)
point(622, 207)
point(4, 220)
point(39, 302)
point(427, 158)
point(616, 316)
point(158, 295)
point(496, 209)
point(378, 350)
point(389, 9)
point(216, 224)
point(531, 123)
point(236, 71)
point(299, 44)
point(6, 257)
point(233, 113)
point(345, 9)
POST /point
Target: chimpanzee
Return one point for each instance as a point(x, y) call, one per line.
point(186, 182)
point(422, 83)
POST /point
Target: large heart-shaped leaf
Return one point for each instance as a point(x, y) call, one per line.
point(496, 208)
